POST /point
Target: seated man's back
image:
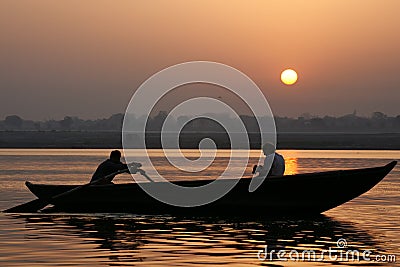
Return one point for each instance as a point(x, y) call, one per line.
point(278, 166)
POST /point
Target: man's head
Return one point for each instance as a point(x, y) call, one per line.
point(115, 156)
point(268, 149)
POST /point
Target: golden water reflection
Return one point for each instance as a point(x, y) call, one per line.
point(155, 240)
point(370, 221)
point(291, 166)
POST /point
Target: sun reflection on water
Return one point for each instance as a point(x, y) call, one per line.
point(291, 166)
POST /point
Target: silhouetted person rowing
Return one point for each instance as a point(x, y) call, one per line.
point(111, 165)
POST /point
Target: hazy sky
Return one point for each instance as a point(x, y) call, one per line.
point(86, 58)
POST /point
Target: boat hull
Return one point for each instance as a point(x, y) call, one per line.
point(301, 194)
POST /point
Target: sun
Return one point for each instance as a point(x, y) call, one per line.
point(289, 77)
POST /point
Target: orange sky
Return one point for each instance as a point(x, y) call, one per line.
point(86, 58)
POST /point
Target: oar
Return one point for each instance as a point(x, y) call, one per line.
point(40, 203)
point(142, 172)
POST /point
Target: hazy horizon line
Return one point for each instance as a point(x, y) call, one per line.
point(305, 115)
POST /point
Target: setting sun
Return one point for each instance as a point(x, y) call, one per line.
point(289, 76)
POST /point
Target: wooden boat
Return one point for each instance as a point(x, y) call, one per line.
point(300, 194)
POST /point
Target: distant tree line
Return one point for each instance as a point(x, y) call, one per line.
point(16, 123)
point(377, 122)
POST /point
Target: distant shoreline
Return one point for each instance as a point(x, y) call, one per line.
point(103, 139)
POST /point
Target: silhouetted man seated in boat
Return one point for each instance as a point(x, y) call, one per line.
point(278, 163)
point(111, 165)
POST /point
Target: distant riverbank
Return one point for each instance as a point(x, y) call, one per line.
point(82, 139)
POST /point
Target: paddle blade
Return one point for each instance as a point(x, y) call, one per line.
point(31, 206)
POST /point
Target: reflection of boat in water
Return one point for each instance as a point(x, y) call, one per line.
point(298, 194)
point(130, 238)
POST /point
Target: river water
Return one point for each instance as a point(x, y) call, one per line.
point(367, 223)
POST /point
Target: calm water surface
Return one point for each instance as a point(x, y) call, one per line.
point(368, 222)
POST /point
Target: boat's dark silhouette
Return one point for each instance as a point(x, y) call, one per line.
point(291, 195)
